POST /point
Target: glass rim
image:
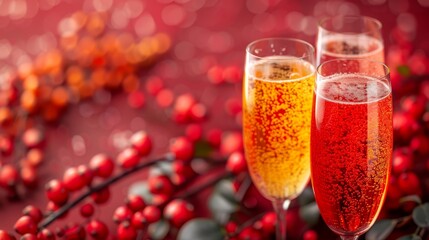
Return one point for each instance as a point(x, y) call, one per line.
point(282, 39)
point(386, 68)
point(371, 19)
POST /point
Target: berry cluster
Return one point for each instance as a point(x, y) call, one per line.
point(87, 62)
point(410, 124)
point(168, 191)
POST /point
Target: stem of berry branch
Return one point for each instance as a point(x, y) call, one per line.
point(247, 182)
point(206, 184)
point(248, 223)
point(404, 220)
point(52, 217)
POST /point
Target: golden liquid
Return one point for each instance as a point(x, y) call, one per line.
point(277, 101)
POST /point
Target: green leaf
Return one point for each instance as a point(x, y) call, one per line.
point(222, 202)
point(226, 189)
point(161, 168)
point(421, 215)
point(381, 229)
point(410, 237)
point(411, 198)
point(310, 213)
point(202, 149)
point(141, 189)
point(306, 197)
point(201, 228)
point(158, 230)
point(404, 70)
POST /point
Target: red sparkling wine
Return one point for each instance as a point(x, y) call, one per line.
point(351, 150)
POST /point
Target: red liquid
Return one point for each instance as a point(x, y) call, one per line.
point(351, 149)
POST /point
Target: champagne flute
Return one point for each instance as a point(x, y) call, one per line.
point(351, 143)
point(349, 37)
point(277, 98)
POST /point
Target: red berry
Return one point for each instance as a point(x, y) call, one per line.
point(101, 196)
point(183, 106)
point(135, 203)
point(409, 183)
point(87, 210)
point(194, 132)
point(136, 99)
point(32, 138)
point(310, 235)
point(6, 113)
point(268, 222)
point(231, 142)
point(420, 144)
point(75, 232)
point(182, 168)
point(29, 176)
point(154, 84)
point(121, 214)
point(214, 137)
point(182, 149)
point(233, 74)
point(57, 192)
point(249, 233)
point(160, 185)
point(141, 142)
point(102, 165)
point(138, 221)
point(97, 230)
point(231, 227)
point(151, 214)
point(215, 75)
point(34, 157)
point(8, 176)
point(415, 106)
point(25, 224)
point(6, 145)
point(402, 160)
point(178, 212)
point(128, 158)
point(165, 98)
point(236, 163)
point(33, 212)
point(45, 234)
point(198, 112)
point(28, 236)
point(75, 178)
point(233, 106)
point(178, 179)
point(6, 236)
point(404, 126)
point(126, 231)
point(160, 199)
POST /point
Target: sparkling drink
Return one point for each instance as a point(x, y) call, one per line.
point(351, 147)
point(277, 101)
point(350, 46)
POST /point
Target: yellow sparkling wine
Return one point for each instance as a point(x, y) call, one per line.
point(277, 101)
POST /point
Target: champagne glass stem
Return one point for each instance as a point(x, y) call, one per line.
point(280, 207)
point(349, 237)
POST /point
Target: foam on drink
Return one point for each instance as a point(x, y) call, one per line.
point(350, 46)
